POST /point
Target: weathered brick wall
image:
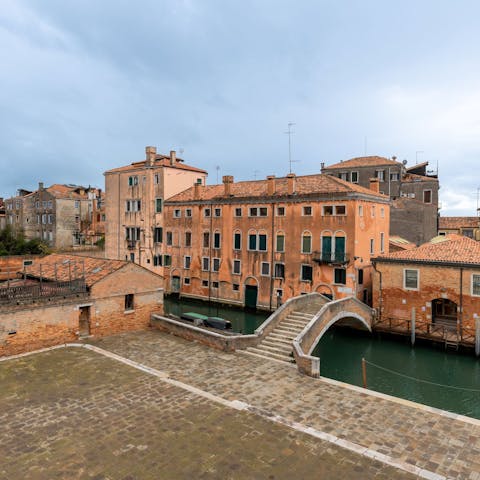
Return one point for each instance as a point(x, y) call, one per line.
point(11, 264)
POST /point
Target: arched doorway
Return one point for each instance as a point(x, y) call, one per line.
point(444, 312)
point(251, 293)
point(175, 282)
point(325, 290)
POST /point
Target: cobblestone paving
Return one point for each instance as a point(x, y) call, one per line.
point(442, 445)
point(74, 414)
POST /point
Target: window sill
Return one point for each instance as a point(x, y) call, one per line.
point(128, 312)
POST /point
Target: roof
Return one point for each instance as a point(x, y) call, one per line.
point(304, 185)
point(413, 177)
point(401, 243)
point(64, 267)
point(160, 161)
point(455, 223)
point(450, 248)
point(371, 161)
point(59, 190)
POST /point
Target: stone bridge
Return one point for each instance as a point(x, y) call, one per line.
point(346, 311)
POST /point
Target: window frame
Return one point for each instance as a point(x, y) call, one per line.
point(472, 285)
point(304, 266)
point(236, 262)
point(351, 176)
point(129, 305)
point(205, 264)
point(417, 271)
point(262, 265)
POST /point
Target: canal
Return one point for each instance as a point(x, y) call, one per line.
point(393, 367)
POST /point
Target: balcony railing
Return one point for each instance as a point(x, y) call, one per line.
point(335, 258)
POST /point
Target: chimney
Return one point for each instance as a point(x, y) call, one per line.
point(197, 190)
point(291, 183)
point(322, 166)
point(271, 185)
point(375, 185)
point(40, 185)
point(227, 183)
point(173, 157)
point(151, 153)
point(394, 158)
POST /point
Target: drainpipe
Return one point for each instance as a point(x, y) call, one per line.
point(272, 255)
point(380, 296)
point(460, 316)
point(118, 223)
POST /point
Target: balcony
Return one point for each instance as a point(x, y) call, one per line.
point(131, 244)
point(328, 258)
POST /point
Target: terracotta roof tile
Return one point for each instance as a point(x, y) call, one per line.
point(372, 161)
point(413, 177)
point(64, 267)
point(458, 222)
point(400, 242)
point(448, 248)
point(161, 161)
point(304, 185)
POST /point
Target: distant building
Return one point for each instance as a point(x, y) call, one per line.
point(259, 243)
point(413, 190)
point(3, 218)
point(466, 226)
point(399, 244)
point(134, 205)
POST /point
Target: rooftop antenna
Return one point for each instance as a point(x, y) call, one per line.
point(365, 145)
point(289, 132)
point(181, 150)
point(217, 168)
point(416, 155)
point(255, 174)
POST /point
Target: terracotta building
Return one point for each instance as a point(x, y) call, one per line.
point(134, 205)
point(437, 283)
point(258, 243)
point(413, 190)
point(467, 226)
point(3, 218)
point(60, 298)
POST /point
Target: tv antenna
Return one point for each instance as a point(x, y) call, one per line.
point(217, 168)
point(255, 172)
point(289, 132)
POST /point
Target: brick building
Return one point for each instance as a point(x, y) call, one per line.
point(467, 226)
point(413, 190)
point(60, 298)
point(134, 205)
point(438, 283)
point(258, 243)
point(3, 218)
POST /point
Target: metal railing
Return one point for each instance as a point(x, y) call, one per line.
point(338, 258)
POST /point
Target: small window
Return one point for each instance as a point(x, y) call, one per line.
point(235, 287)
point(77, 203)
point(360, 210)
point(206, 239)
point(427, 196)
point(133, 180)
point(205, 264)
point(262, 211)
point(372, 246)
point(382, 213)
point(186, 281)
point(238, 212)
point(188, 212)
point(204, 283)
point(206, 212)
point(265, 269)
point(340, 276)
point(158, 205)
point(167, 260)
point(382, 242)
point(372, 211)
point(188, 239)
point(216, 264)
point(157, 261)
point(217, 212)
point(280, 211)
point(262, 242)
point(216, 240)
point(280, 245)
point(237, 241)
point(410, 279)
point(177, 213)
point(237, 264)
point(360, 276)
point(156, 179)
point(354, 177)
point(214, 284)
point(306, 243)
point(307, 210)
point(380, 174)
point(344, 176)
point(466, 232)
point(252, 241)
point(340, 210)
point(253, 212)
point(476, 285)
point(199, 181)
point(327, 210)
point(169, 238)
point(279, 271)
point(129, 302)
point(187, 260)
point(158, 235)
point(306, 273)
point(394, 177)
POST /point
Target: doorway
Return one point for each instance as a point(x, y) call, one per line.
point(444, 312)
point(84, 322)
point(176, 284)
point(251, 294)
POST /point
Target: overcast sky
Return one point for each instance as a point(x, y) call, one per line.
point(86, 85)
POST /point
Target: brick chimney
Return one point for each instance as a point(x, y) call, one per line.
point(150, 153)
point(291, 183)
point(197, 191)
point(375, 185)
point(322, 166)
point(173, 157)
point(40, 185)
point(271, 185)
point(227, 183)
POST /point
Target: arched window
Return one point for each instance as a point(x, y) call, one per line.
point(306, 242)
point(237, 240)
point(280, 242)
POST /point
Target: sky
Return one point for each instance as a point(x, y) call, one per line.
point(86, 85)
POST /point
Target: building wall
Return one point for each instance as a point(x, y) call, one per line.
point(392, 300)
point(231, 287)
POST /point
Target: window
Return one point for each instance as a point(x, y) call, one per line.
point(132, 233)
point(206, 212)
point(158, 235)
point(265, 269)
point(262, 242)
point(133, 180)
point(382, 213)
point(258, 212)
point(327, 210)
point(476, 285)
point(237, 264)
point(157, 260)
point(410, 279)
point(372, 246)
point(206, 239)
point(158, 205)
point(50, 218)
point(360, 276)
point(188, 239)
point(77, 203)
point(186, 281)
point(235, 287)
point(167, 260)
point(217, 212)
point(216, 240)
point(382, 242)
point(354, 177)
point(252, 241)
point(156, 179)
point(187, 260)
point(307, 211)
point(340, 210)
point(280, 211)
point(216, 264)
point(214, 284)
point(204, 283)
point(467, 232)
point(279, 270)
point(306, 243)
point(306, 273)
point(205, 264)
point(188, 212)
point(129, 302)
point(177, 213)
point(253, 212)
point(394, 177)
point(237, 241)
point(238, 212)
point(360, 210)
point(344, 176)
point(427, 196)
point(280, 244)
point(169, 238)
point(340, 276)
point(372, 211)
point(199, 181)
point(50, 204)
point(380, 174)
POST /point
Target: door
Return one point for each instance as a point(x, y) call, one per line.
point(251, 292)
point(175, 284)
point(327, 249)
point(444, 312)
point(84, 322)
point(340, 249)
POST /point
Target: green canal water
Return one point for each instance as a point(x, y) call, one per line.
point(341, 351)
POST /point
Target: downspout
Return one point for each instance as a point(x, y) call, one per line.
point(272, 255)
point(460, 316)
point(380, 296)
point(118, 223)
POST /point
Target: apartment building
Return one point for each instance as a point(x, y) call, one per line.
point(135, 196)
point(60, 215)
point(259, 243)
point(466, 226)
point(3, 218)
point(413, 190)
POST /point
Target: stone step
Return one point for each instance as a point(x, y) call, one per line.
point(294, 321)
point(276, 337)
point(267, 354)
point(293, 325)
point(282, 349)
point(287, 333)
point(300, 315)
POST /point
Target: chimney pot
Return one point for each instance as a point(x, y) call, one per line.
point(40, 185)
point(151, 153)
point(271, 185)
point(227, 183)
point(375, 185)
point(173, 157)
point(291, 183)
point(197, 189)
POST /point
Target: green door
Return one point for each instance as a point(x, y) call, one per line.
point(339, 249)
point(326, 249)
point(251, 293)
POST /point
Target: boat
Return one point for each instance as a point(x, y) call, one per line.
point(195, 318)
point(218, 323)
